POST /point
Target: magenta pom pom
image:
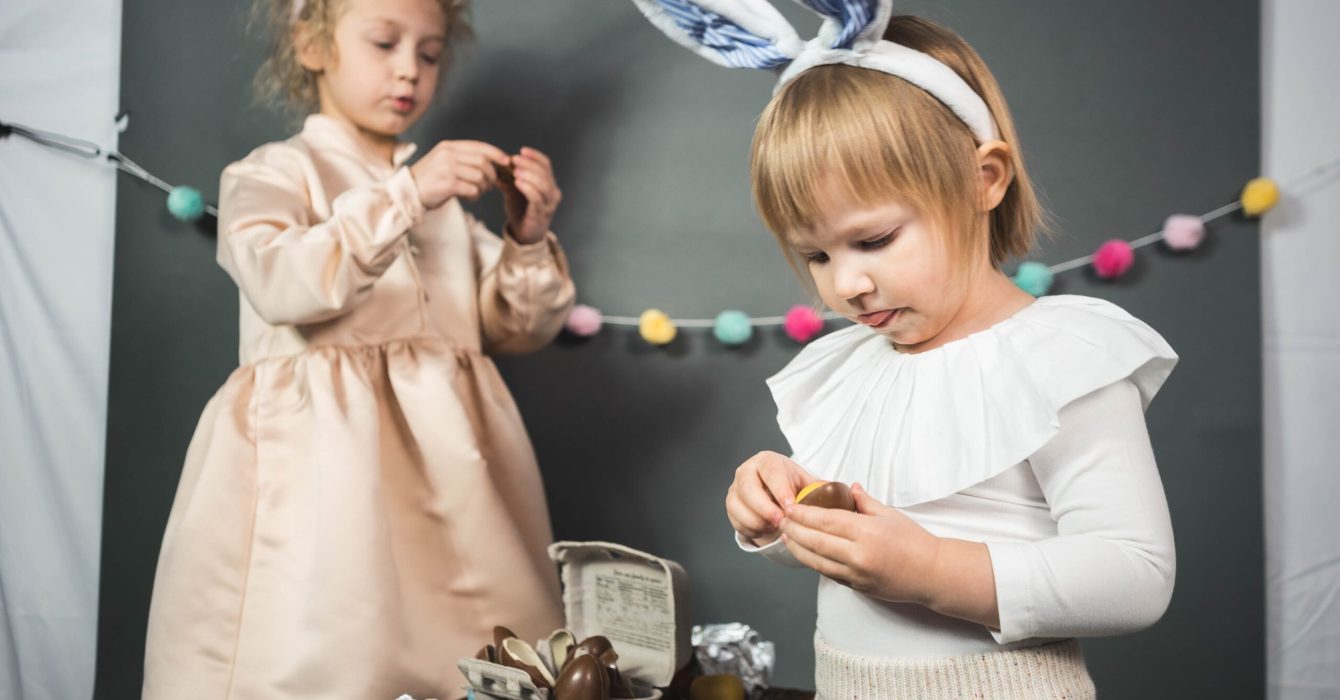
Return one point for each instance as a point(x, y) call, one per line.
point(584, 321)
point(1113, 259)
point(803, 323)
point(1183, 231)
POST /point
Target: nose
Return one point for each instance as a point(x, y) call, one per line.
point(407, 65)
point(851, 282)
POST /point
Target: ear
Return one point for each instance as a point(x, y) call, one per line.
point(995, 172)
point(311, 51)
point(731, 33)
point(848, 22)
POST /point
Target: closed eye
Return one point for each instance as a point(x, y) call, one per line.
point(880, 242)
point(816, 258)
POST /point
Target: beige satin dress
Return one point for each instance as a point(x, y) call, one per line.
point(360, 503)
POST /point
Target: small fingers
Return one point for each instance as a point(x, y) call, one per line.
point(537, 190)
point(533, 197)
point(471, 191)
point(481, 177)
point(818, 562)
point(745, 520)
point(487, 150)
point(816, 540)
point(537, 156)
point(776, 475)
point(843, 523)
point(755, 495)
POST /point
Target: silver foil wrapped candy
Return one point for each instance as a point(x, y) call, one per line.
point(735, 648)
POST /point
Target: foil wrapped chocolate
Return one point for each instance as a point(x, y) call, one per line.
point(736, 649)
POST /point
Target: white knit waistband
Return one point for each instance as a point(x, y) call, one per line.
point(1053, 671)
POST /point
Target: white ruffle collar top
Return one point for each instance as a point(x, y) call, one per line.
point(914, 428)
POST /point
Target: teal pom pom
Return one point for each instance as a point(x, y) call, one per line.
point(186, 203)
point(732, 328)
point(1033, 277)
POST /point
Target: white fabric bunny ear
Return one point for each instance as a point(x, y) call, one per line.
point(753, 34)
point(849, 23)
point(732, 33)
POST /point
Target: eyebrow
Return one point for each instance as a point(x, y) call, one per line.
point(866, 225)
point(874, 224)
point(869, 225)
point(390, 22)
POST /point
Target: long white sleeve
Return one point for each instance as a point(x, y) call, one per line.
point(775, 551)
point(1110, 568)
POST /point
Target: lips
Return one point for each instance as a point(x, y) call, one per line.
point(403, 104)
point(878, 319)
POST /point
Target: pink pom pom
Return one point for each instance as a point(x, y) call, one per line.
point(1113, 259)
point(584, 321)
point(1183, 231)
point(803, 323)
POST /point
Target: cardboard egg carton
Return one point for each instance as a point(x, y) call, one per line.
point(636, 600)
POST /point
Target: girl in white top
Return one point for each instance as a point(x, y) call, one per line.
point(1007, 495)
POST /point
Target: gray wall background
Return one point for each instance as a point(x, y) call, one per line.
point(1128, 112)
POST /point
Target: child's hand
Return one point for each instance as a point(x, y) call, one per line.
point(876, 550)
point(764, 485)
point(456, 169)
point(530, 195)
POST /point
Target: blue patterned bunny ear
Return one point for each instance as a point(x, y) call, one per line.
point(849, 23)
point(732, 33)
point(753, 34)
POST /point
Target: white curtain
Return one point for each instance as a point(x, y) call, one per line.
point(1301, 296)
point(59, 70)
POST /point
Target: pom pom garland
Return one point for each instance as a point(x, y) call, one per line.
point(1113, 259)
point(584, 321)
point(186, 203)
point(656, 328)
point(1033, 277)
point(1259, 196)
point(1183, 232)
point(732, 328)
point(803, 323)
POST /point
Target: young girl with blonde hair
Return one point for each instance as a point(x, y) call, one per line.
point(360, 503)
point(1007, 498)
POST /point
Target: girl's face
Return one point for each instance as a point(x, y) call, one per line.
point(885, 266)
point(382, 72)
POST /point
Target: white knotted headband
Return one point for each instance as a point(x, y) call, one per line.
point(753, 34)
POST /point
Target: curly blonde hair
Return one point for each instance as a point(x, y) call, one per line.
point(282, 81)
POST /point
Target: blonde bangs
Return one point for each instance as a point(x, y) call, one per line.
point(836, 130)
point(831, 131)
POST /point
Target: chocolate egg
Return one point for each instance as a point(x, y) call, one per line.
point(597, 646)
point(584, 678)
point(717, 687)
point(501, 633)
point(601, 648)
point(827, 494)
point(518, 654)
point(619, 688)
point(557, 649)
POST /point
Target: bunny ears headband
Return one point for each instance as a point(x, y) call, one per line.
point(753, 34)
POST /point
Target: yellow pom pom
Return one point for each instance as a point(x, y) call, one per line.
point(1259, 196)
point(656, 328)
